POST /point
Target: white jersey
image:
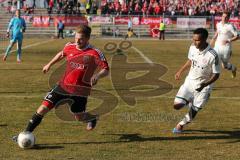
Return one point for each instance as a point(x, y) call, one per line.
point(204, 64)
point(225, 32)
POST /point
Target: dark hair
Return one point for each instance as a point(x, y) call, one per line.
point(84, 29)
point(201, 31)
point(227, 13)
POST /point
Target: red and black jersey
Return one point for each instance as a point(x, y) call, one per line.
point(80, 67)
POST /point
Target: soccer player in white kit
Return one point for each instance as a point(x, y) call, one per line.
point(204, 66)
point(225, 34)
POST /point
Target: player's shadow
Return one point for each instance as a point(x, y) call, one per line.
point(188, 135)
point(46, 146)
point(235, 134)
point(3, 125)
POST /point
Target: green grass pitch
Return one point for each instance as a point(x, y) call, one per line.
point(142, 131)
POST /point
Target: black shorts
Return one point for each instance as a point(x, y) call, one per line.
point(57, 96)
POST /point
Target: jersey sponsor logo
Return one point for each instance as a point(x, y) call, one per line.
point(76, 65)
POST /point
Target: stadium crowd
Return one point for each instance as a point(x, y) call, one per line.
point(170, 7)
point(134, 7)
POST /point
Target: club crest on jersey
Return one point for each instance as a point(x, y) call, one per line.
point(204, 61)
point(86, 59)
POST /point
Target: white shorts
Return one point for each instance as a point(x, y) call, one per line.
point(187, 93)
point(224, 52)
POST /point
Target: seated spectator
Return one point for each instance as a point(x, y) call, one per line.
point(130, 33)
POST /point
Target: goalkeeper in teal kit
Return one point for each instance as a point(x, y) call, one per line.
point(16, 26)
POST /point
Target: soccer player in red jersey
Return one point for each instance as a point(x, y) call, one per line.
point(80, 75)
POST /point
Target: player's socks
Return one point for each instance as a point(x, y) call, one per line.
point(92, 123)
point(188, 117)
point(34, 122)
point(18, 56)
point(14, 138)
point(234, 71)
point(8, 51)
point(4, 58)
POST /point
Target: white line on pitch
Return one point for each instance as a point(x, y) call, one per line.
point(143, 56)
point(32, 45)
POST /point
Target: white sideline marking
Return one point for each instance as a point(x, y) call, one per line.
point(165, 97)
point(143, 56)
point(30, 45)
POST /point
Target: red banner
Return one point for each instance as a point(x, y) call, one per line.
point(27, 19)
point(235, 21)
point(41, 21)
point(124, 20)
point(154, 20)
point(71, 21)
point(100, 20)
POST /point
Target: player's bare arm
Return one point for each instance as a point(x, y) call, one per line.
point(59, 56)
point(102, 73)
point(214, 77)
point(212, 42)
point(233, 39)
point(186, 66)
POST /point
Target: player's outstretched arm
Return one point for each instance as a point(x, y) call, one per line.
point(212, 42)
point(182, 69)
point(59, 56)
point(102, 73)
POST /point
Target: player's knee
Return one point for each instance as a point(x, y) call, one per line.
point(179, 103)
point(178, 106)
point(225, 65)
point(42, 110)
point(78, 117)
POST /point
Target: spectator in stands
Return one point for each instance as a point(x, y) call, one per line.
point(14, 7)
point(156, 9)
point(59, 7)
point(144, 8)
point(88, 6)
point(60, 27)
point(78, 6)
point(117, 32)
point(162, 30)
point(169, 7)
point(118, 8)
point(50, 6)
point(94, 8)
point(130, 33)
point(27, 9)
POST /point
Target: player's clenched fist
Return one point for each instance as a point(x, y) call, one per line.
point(46, 68)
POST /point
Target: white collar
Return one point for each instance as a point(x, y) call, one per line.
point(205, 50)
